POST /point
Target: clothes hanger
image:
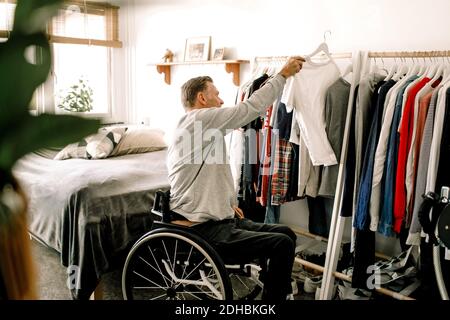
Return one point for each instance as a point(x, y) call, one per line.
point(322, 48)
point(446, 71)
point(446, 76)
point(432, 69)
point(402, 72)
point(414, 70)
point(423, 69)
point(375, 69)
point(440, 68)
point(392, 71)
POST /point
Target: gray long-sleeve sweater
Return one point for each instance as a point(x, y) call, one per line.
point(200, 177)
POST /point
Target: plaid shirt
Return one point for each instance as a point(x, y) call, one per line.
point(282, 165)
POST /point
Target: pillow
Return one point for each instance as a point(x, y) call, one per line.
point(73, 150)
point(101, 145)
point(48, 153)
point(140, 140)
point(97, 146)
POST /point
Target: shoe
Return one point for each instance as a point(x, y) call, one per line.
point(346, 293)
point(312, 283)
point(395, 263)
point(300, 275)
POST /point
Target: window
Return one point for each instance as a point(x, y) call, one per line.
point(91, 63)
point(82, 36)
point(6, 19)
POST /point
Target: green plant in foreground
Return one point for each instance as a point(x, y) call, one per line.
point(20, 132)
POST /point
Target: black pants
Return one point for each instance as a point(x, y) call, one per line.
point(242, 240)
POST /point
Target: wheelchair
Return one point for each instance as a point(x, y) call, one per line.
point(174, 262)
point(437, 227)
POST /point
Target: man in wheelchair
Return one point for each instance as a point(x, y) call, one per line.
point(202, 191)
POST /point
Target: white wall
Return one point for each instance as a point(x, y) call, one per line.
point(249, 28)
point(263, 28)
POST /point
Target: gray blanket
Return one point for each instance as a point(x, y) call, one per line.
point(91, 211)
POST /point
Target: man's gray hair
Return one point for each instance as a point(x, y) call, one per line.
point(191, 88)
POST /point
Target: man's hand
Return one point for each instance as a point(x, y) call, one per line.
point(292, 66)
point(238, 212)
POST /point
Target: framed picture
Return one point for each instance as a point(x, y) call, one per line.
point(197, 49)
point(218, 54)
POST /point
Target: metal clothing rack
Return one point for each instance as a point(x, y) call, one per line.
point(342, 55)
point(337, 222)
point(338, 55)
point(409, 54)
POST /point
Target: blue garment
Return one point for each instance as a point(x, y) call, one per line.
point(283, 122)
point(272, 211)
point(350, 165)
point(385, 225)
point(320, 213)
point(362, 218)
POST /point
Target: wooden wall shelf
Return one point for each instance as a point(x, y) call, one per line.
point(231, 66)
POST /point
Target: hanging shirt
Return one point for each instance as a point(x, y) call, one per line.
point(336, 105)
point(405, 131)
point(385, 225)
point(420, 112)
point(348, 194)
point(443, 173)
point(282, 156)
point(362, 219)
point(308, 175)
point(436, 140)
point(363, 116)
point(266, 161)
point(305, 92)
point(422, 170)
point(380, 154)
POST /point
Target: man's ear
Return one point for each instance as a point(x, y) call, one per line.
point(201, 98)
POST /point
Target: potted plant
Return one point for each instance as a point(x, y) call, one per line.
point(21, 133)
point(78, 98)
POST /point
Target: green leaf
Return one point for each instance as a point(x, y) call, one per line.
point(31, 16)
point(43, 131)
point(20, 78)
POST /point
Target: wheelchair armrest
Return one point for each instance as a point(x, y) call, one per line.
point(161, 206)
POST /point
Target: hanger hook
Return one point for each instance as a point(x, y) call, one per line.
point(325, 35)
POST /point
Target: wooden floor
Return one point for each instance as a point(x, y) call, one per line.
point(51, 277)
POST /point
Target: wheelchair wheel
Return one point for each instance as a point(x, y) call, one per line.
point(173, 264)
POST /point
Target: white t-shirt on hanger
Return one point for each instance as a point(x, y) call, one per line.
point(305, 92)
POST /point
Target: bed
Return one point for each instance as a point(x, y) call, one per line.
point(91, 211)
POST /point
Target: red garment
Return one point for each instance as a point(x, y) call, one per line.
point(266, 158)
point(424, 103)
point(405, 132)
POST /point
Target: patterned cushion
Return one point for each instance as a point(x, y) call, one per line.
point(97, 146)
point(73, 150)
point(101, 145)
